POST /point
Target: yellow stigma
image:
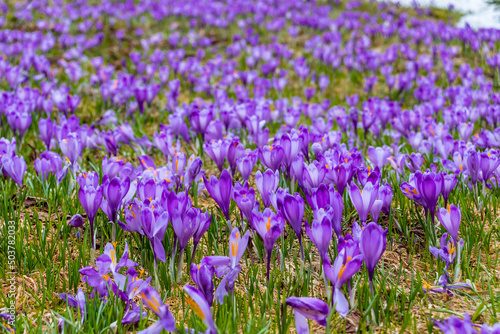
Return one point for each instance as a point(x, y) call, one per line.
point(113, 256)
point(268, 223)
point(234, 248)
point(67, 159)
point(426, 285)
point(152, 303)
point(451, 247)
point(195, 308)
point(343, 267)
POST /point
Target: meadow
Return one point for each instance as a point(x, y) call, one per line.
point(255, 166)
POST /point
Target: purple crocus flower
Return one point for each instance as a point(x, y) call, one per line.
point(115, 191)
point(379, 155)
point(272, 156)
point(152, 299)
point(448, 250)
point(488, 163)
point(269, 226)
point(343, 269)
point(220, 190)
point(450, 219)
point(111, 167)
point(154, 227)
point(235, 151)
point(307, 308)
point(385, 194)
point(372, 245)
point(472, 161)
point(47, 129)
point(15, 167)
point(414, 162)
point(71, 147)
point(449, 182)
point(430, 185)
point(217, 150)
point(444, 284)
point(293, 211)
point(201, 307)
point(203, 276)
point(454, 325)
point(267, 182)
point(76, 221)
point(320, 233)
point(291, 145)
point(202, 222)
point(80, 302)
point(313, 174)
point(246, 163)
point(245, 199)
point(90, 195)
point(324, 196)
point(228, 266)
point(363, 199)
point(184, 226)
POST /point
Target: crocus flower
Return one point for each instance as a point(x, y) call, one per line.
point(320, 233)
point(269, 226)
point(414, 162)
point(80, 302)
point(379, 155)
point(456, 325)
point(228, 266)
point(152, 299)
point(363, 199)
point(50, 162)
point(324, 196)
point(293, 211)
point(267, 182)
point(201, 307)
point(429, 185)
point(46, 128)
point(449, 182)
point(308, 308)
point(111, 167)
point(76, 221)
point(15, 167)
point(272, 156)
point(220, 190)
point(450, 219)
point(444, 284)
point(114, 191)
point(448, 251)
point(202, 222)
point(90, 195)
point(385, 195)
point(245, 199)
point(313, 174)
point(217, 150)
point(372, 245)
point(71, 147)
point(375, 210)
point(246, 163)
point(203, 276)
point(291, 145)
point(488, 163)
point(343, 269)
point(154, 228)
